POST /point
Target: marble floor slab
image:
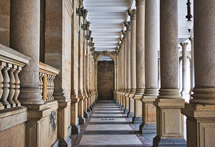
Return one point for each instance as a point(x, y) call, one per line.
point(110, 140)
point(104, 115)
point(107, 108)
point(114, 111)
point(108, 120)
point(102, 127)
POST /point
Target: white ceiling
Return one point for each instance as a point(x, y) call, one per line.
point(106, 19)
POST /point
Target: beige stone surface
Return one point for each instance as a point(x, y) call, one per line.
point(15, 136)
point(5, 22)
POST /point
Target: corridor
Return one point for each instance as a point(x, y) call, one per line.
point(109, 126)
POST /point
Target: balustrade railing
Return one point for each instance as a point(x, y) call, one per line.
point(46, 81)
point(11, 64)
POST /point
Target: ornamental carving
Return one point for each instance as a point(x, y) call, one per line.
point(132, 14)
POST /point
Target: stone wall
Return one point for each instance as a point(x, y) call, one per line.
point(4, 22)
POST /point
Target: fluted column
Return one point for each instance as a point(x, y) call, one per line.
point(140, 60)
point(132, 14)
point(151, 65)
point(25, 37)
point(169, 102)
point(200, 112)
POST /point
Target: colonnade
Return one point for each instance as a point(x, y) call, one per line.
point(160, 110)
point(57, 95)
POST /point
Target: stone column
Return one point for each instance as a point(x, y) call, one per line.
point(132, 14)
point(122, 67)
point(126, 102)
point(200, 112)
point(86, 115)
point(25, 37)
point(185, 88)
point(169, 102)
point(151, 65)
point(81, 88)
point(140, 60)
point(128, 69)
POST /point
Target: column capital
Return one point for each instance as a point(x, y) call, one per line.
point(184, 45)
point(140, 2)
point(132, 14)
point(127, 25)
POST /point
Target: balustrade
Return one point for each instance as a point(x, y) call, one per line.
point(46, 81)
point(11, 64)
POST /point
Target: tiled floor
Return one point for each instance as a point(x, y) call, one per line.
point(109, 127)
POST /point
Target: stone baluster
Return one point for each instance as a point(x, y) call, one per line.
point(41, 75)
point(2, 65)
point(17, 86)
point(12, 86)
point(6, 85)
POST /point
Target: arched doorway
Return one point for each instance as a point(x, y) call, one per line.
point(105, 78)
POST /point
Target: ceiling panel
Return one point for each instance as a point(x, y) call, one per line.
point(106, 19)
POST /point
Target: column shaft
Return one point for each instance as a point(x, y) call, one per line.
point(151, 66)
point(25, 37)
point(132, 14)
point(140, 59)
point(200, 112)
point(169, 103)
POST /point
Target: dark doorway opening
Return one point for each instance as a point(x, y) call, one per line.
point(105, 80)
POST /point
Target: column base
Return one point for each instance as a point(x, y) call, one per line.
point(75, 129)
point(126, 111)
point(148, 128)
point(81, 120)
point(89, 110)
point(86, 115)
point(63, 143)
point(137, 120)
point(130, 114)
point(200, 124)
point(170, 142)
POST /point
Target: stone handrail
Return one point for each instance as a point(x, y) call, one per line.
point(11, 64)
point(46, 82)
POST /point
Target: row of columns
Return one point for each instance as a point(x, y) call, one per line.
point(160, 112)
point(25, 38)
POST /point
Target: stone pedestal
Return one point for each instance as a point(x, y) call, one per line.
point(81, 108)
point(74, 114)
point(170, 130)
